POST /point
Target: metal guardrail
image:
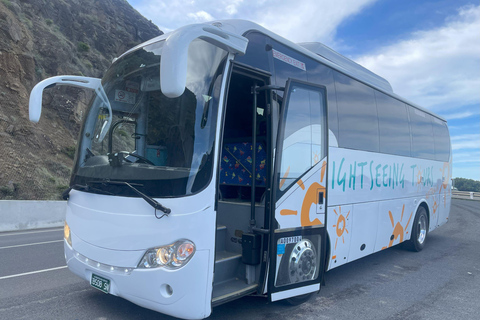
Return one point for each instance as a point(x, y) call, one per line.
point(466, 195)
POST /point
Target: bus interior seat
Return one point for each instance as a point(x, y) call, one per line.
point(236, 170)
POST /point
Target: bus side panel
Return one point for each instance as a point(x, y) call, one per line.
point(445, 193)
point(358, 176)
point(364, 229)
point(380, 192)
point(339, 228)
point(395, 220)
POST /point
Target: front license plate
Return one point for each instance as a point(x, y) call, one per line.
point(100, 283)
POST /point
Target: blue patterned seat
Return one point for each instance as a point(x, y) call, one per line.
point(236, 164)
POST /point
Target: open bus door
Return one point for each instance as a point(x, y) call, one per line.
point(297, 223)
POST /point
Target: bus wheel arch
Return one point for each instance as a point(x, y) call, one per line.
point(419, 230)
point(327, 252)
point(425, 205)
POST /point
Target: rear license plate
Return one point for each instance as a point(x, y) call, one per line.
point(100, 283)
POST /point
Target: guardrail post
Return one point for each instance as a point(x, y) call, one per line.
point(471, 195)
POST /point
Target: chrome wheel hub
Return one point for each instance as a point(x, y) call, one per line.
point(303, 263)
point(422, 229)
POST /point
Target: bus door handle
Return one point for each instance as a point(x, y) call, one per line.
point(320, 198)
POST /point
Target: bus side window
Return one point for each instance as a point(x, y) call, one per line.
point(422, 134)
point(357, 114)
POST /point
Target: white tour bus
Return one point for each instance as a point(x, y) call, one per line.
point(221, 160)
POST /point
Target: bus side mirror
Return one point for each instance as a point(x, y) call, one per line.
point(35, 103)
point(173, 68)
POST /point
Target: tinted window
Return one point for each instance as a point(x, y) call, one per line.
point(303, 138)
point(442, 140)
point(256, 55)
point(284, 70)
point(321, 74)
point(393, 125)
point(357, 114)
point(422, 134)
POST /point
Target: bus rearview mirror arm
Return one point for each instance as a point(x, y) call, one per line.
point(35, 102)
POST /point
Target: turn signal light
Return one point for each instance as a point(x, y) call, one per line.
point(66, 234)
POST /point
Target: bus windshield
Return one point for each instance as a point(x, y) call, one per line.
point(164, 146)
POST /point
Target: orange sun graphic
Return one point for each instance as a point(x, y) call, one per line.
point(341, 225)
point(398, 229)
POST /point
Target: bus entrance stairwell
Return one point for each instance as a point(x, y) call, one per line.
point(242, 183)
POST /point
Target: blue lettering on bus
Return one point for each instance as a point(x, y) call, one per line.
point(341, 181)
point(353, 175)
point(390, 175)
point(361, 165)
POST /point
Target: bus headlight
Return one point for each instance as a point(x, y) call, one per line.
point(172, 256)
point(66, 234)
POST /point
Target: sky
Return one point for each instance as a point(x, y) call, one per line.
point(429, 51)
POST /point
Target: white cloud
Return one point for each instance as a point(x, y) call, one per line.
point(200, 16)
point(308, 20)
point(302, 20)
point(438, 68)
point(467, 157)
point(460, 115)
point(468, 137)
point(466, 144)
point(466, 141)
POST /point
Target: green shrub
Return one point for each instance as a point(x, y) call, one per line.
point(88, 64)
point(69, 151)
point(463, 184)
point(83, 47)
point(49, 22)
point(6, 190)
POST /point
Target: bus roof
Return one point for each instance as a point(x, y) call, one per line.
point(315, 50)
point(352, 67)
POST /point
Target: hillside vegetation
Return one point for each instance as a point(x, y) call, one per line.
point(40, 39)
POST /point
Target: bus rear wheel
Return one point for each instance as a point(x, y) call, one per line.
point(419, 231)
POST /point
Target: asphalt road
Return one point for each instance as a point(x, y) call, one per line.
point(441, 282)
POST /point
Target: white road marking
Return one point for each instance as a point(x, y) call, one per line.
point(19, 233)
point(30, 244)
point(32, 272)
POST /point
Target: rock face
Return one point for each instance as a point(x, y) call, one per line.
point(44, 38)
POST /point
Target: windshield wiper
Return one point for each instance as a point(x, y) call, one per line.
point(86, 187)
point(154, 203)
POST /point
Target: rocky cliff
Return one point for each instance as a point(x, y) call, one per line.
point(40, 39)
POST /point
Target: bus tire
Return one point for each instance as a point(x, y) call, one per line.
point(295, 301)
point(419, 231)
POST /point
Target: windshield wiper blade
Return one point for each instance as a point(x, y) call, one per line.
point(154, 203)
point(86, 187)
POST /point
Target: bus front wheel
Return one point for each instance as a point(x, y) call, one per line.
point(419, 231)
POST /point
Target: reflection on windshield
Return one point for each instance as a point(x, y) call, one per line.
point(162, 143)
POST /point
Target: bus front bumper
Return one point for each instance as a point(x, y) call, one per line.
point(159, 289)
